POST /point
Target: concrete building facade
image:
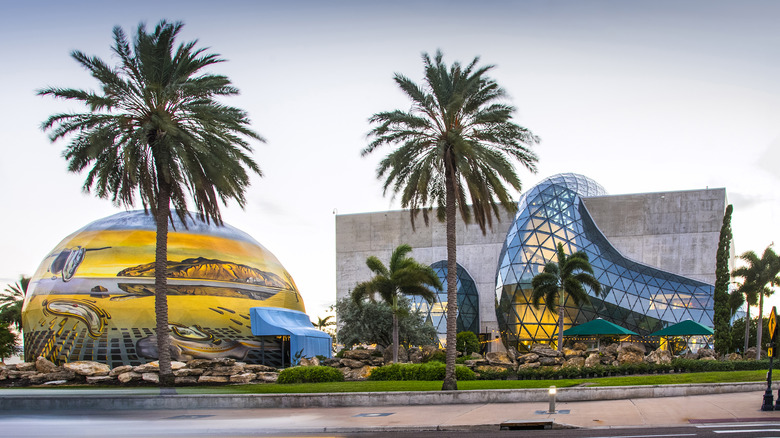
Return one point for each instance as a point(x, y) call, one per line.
point(674, 233)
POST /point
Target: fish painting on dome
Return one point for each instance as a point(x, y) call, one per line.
point(92, 297)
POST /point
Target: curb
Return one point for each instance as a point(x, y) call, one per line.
point(105, 402)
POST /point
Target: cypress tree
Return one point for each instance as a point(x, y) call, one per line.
point(722, 277)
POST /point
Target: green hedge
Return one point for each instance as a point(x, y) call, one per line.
point(422, 371)
point(310, 375)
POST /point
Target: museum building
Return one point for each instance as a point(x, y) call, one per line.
point(653, 253)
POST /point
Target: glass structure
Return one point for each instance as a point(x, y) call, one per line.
point(468, 304)
point(638, 297)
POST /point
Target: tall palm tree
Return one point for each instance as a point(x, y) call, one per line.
point(323, 323)
point(760, 276)
point(12, 300)
point(404, 276)
point(567, 276)
point(158, 127)
point(455, 147)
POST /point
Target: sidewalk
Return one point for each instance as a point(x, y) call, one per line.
point(636, 412)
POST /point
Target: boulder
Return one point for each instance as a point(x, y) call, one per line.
point(267, 377)
point(707, 353)
point(631, 357)
point(185, 372)
point(128, 377)
point(499, 358)
point(243, 378)
point(58, 375)
point(358, 374)
point(224, 370)
point(213, 379)
point(309, 362)
point(45, 366)
point(120, 370)
point(360, 355)
point(263, 368)
point(415, 356)
point(545, 351)
point(592, 360)
point(351, 363)
point(223, 361)
point(30, 366)
point(632, 347)
point(428, 351)
point(734, 356)
point(87, 368)
point(185, 380)
point(570, 352)
point(199, 363)
point(528, 357)
point(97, 380)
point(580, 346)
point(546, 361)
point(403, 356)
point(154, 367)
point(575, 361)
point(659, 356)
point(377, 361)
point(529, 365)
point(151, 377)
point(471, 363)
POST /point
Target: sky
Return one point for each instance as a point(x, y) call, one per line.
point(641, 96)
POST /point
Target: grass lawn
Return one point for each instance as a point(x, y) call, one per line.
point(368, 386)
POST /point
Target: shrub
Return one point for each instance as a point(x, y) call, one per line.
point(310, 375)
point(467, 342)
point(504, 374)
point(437, 356)
point(423, 371)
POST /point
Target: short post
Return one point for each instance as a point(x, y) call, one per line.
point(552, 391)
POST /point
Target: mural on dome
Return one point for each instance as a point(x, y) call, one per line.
point(92, 298)
point(639, 297)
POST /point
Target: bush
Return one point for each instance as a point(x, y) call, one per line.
point(505, 374)
point(310, 375)
point(467, 343)
point(438, 356)
point(423, 371)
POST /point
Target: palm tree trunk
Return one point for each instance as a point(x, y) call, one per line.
point(560, 320)
point(450, 382)
point(747, 329)
point(760, 327)
point(161, 284)
point(395, 336)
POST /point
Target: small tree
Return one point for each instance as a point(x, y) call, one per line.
point(722, 277)
point(371, 323)
point(566, 277)
point(11, 301)
point(467, 343)
point(404, 276)
point(8, 342)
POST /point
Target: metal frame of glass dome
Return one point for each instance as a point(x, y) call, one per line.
point(468, 304)
point(639, 297)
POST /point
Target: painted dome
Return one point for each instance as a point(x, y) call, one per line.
point(92, 298)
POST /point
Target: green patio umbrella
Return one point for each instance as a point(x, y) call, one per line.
point(684, 328)
point(597, 327)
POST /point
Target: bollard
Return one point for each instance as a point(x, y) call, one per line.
point(552, 391)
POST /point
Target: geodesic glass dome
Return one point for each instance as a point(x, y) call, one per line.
point(639, 297)
point(468, 304)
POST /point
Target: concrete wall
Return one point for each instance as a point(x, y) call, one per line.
point(674, 231)
point(359, 236)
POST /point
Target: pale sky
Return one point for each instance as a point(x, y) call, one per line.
point(641, 96)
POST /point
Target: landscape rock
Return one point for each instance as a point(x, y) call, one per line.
point(267, 377)
point(45, 366)
point(185, 380)
point(128, 377)
point(631, 357)
point(529, 365)
point(120, 370)
point(528, 357)
point(360, 355)
point(185, 372)
point(243, 378)
point(224, 370)
point(96, 380)
point(263, 368)
point(87, 368)
point(358, 374)
point(403, 356)
point(151, 377)
point(499, 358)
point(659, 356)
point(575, 361)
point(30, 366)
point(351, 363)
point(309, 362)
point(213, 379)
point(592, 360)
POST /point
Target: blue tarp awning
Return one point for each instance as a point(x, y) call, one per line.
point(304, 338)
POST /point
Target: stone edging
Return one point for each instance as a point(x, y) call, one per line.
point(46, 402)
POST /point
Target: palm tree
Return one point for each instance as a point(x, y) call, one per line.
point(12, 300)
point(455, 146)
point(323, 323)
point(760, 276)
point(158, 128)
point(566, 277)
point(404, 276)
point(746, 293)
